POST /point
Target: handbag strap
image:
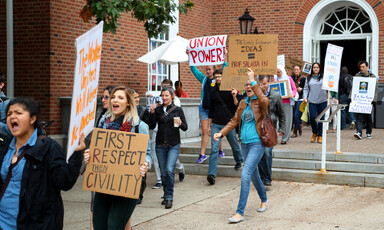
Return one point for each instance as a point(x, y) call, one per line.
point(168, 112)
point(267, 116)
point(12, 166)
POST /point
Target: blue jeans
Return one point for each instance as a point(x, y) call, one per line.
point(297, 115)
point(232, 139)
point(252, 154)
point(167, 156)
point(265, 165)
point(314, 111)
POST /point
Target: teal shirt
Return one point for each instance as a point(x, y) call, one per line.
point(202, 78)
point(248, 133)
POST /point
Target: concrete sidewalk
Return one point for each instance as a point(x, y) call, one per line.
point(198, 205)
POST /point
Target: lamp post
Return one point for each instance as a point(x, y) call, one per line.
point(246, 22)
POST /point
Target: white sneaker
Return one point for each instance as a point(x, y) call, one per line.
point(369, 136)
point(358, 135)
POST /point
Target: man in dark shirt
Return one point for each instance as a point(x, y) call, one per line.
point(222, 109)
point(277, 115)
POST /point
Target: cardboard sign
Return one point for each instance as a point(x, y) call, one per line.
point(280, 87)
point(86, 82)
point(291, 62)
point(363, 92)
point(255, 51)
point(232, 81)
point(332, 66)
point(207, 50)
point(114, 164)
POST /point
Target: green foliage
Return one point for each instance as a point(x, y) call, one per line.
point(155, 13)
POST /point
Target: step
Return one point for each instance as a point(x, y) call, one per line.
point(299, 164)
point(307, 155)
point(330, 166)
point(344, 178)
point(299, 175)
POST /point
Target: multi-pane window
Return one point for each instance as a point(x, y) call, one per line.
point(157, 72)
point(346, 20)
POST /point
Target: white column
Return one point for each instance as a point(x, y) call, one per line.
point(10, 60)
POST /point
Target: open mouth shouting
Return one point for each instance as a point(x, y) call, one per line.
point(14, 126)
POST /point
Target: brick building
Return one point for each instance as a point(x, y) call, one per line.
point(45, 30)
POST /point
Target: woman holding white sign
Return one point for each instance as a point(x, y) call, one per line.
point(109, 211)
point(316, 97)
point(170, 119)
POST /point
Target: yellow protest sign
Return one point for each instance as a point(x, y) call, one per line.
point(255, 51)
point(115, 159)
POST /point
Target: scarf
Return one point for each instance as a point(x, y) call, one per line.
point(118, 124)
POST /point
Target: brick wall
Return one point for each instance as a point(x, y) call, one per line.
point(45, 32)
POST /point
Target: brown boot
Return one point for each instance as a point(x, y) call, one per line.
point(301, 129)
point(294, 134)
point(313, 139)
point(319, 139)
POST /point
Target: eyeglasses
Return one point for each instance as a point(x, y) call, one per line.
point(105, 97)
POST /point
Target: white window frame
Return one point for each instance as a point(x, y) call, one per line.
point(172, 71)
point(316, 17)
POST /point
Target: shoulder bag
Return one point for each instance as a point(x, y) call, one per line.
point(268, 132)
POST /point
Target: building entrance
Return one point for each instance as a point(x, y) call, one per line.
point(354, 51)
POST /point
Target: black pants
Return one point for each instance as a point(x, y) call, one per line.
point(360, 122)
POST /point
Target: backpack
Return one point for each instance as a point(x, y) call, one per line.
point(348, 83)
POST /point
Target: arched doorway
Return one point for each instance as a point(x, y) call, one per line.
point(350, 24)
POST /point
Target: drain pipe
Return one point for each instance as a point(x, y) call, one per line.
point(10, 59)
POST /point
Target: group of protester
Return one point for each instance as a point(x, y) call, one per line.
point(34, 168)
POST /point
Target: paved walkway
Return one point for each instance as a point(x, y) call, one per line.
point(198, 205)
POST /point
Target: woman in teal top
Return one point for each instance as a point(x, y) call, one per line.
point(207, 83)
point(248, 116)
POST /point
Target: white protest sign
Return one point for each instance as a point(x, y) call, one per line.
point(84, 97)
point(281, 60)
point(332, 68)
point(363, 92)
point(207, 50)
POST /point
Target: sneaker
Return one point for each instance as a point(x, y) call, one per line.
point(353, 125)
point(156, 186)
point(369, 136)
point(221, 153)
point(201, 159)
point(211, 179)
point(267, 182)
point(357, 135)
point(238, 166)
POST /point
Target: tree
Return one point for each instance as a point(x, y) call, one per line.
point(155, 13)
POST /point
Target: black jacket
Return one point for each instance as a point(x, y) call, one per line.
point(300, 84)
point(222, 107)
point(45, 174)
point(167, 133)
point(277, 112)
